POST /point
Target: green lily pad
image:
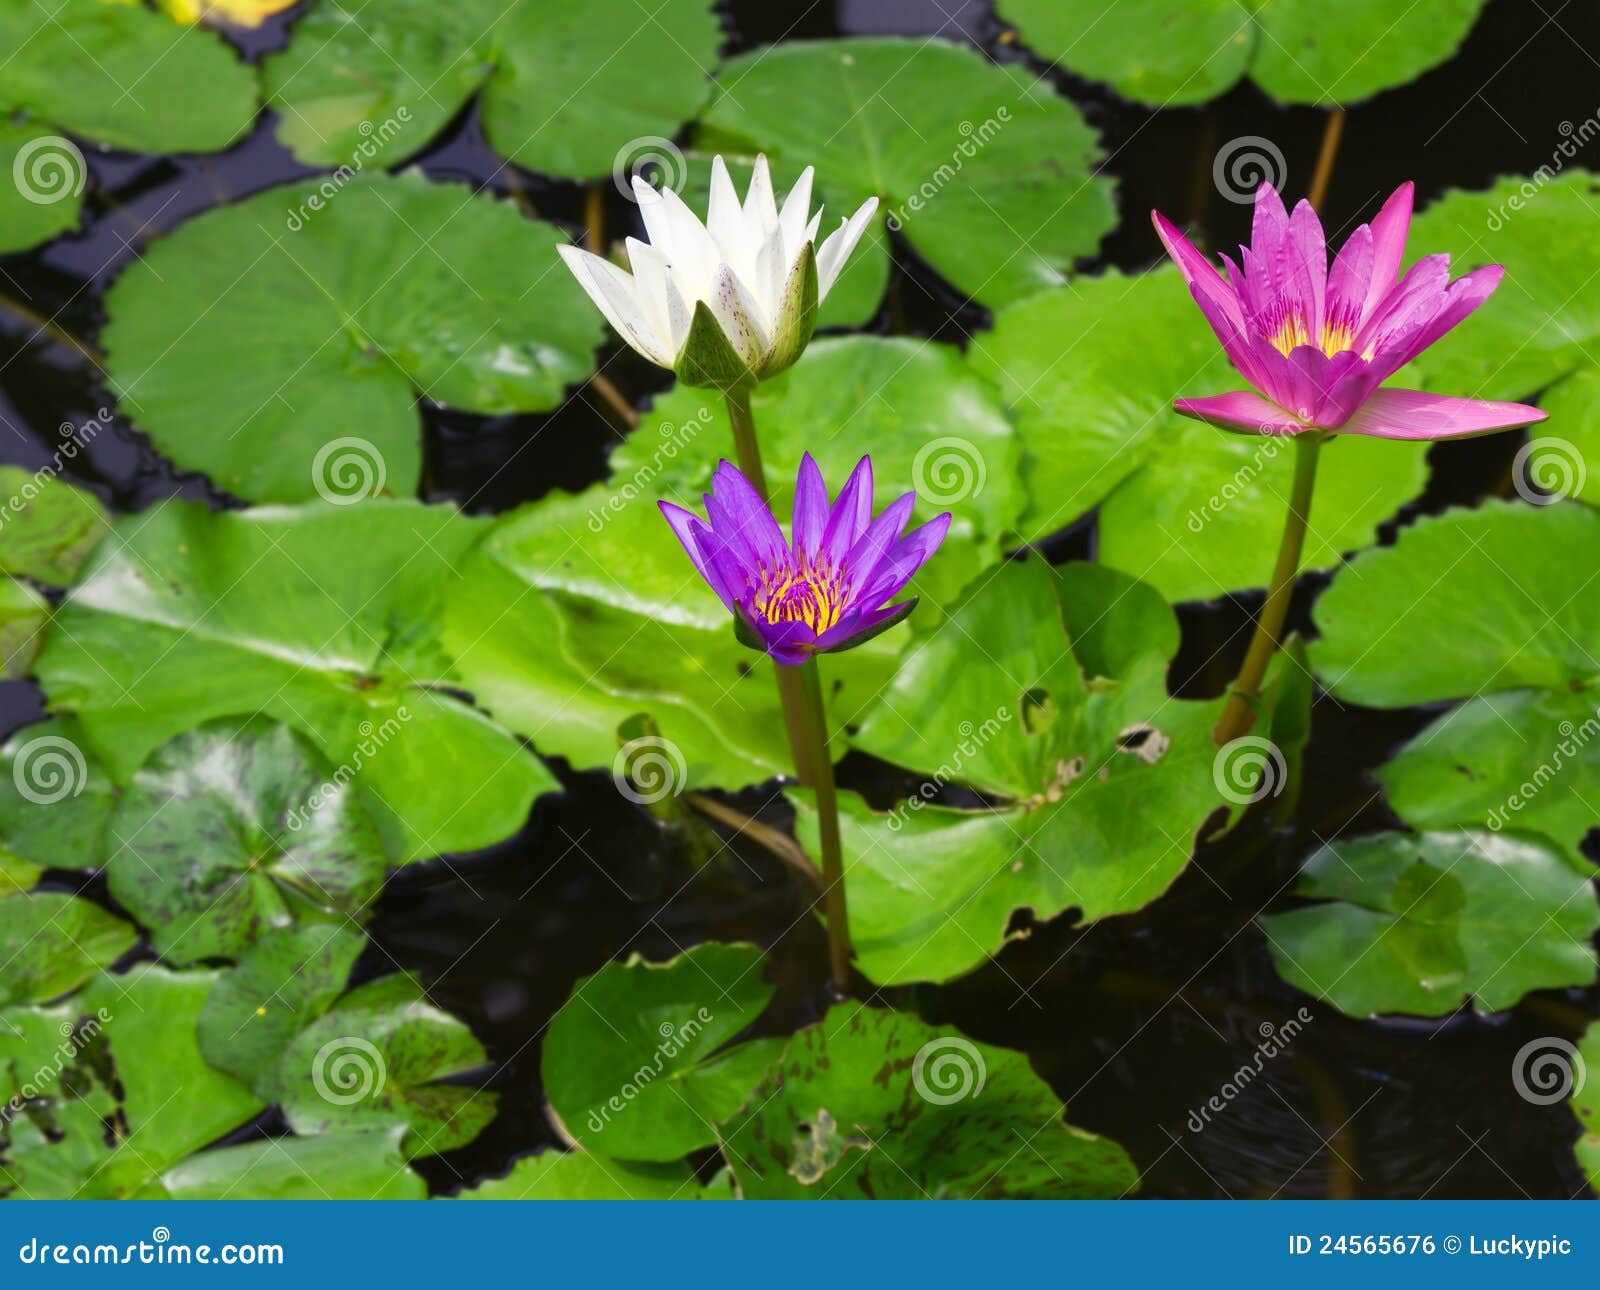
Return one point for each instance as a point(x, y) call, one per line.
point(379, 1058)
point(352, 1166)
point(47, 527)
point(342, 649)
point(1419, 924)
point(579, 612)
point(875, 1105)
point(281, 984)
point(1170, 52)
point(1190, 510)
point(1520, 752)
point(566, 90)
point(984, 170)
point(71, 69)
point(51, 943)
point(117, 1091)
point(1586, 1106)
point(24, 614)
point(235, 830)
point(279, 344)
point(55, 797)
point(17, 876)
point(630, 1063)
point(1103, 779)
point(577, 1175)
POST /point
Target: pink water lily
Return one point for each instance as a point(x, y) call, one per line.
point(1319, 342)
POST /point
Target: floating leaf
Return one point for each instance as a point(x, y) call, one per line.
point(17, 876)
point(71, 68)
point(871, 1104)
point(1103, 778)
point(381, 1058)
point(577, 1175)
point(51, 943)
point(281, 984)
point(985, 170)
point(1170, 52)
point(571, 90)
point(55, 797)
point(278, 344)
point(1418, 924)
point(322, 617)
point(1521, 752)
point(630, 1062)
point(47, 527)
point(352, 1166)
point(1586, 1105)
point(235, 830)
point(24, 614)
point(1190, 511)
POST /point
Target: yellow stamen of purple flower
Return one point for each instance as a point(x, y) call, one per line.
point(813, 595)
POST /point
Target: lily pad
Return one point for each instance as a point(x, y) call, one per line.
point(1521, 751)
point(1420, 924)
point(279, 344)
point(323, 617)
point(51, 943)
point(235, 830)
point(70, 66)
point(1586, 1106)
point(1191, 511)
point(1169, 52)
point(577, 1175)
point(566, 89)
point(281, 984)
point(380, 1058)
point(875, 1105)
point(55, 797)
point(24, 614)
point(47, 527)
point(352, 1166)
point(1102, 779)
point(118, 1091)
point(17, 876)
point(630, 1063)
point(984, 169)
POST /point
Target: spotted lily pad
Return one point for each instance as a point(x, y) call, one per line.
point(1419, 924)
point(1190, 511)
point(382, 1057)
point(983, 169)
point(1045, 690)
point(869, 1104)
point(47, 527)
point(1170, 52)
point(323, 617)
point(51, 943)
point(1522, 651)
point(631, 1062)
point(571, 90)
point(279, 344)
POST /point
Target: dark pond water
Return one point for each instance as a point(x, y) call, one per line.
point(1135, 1021)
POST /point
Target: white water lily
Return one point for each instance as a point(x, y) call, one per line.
point(731, 301)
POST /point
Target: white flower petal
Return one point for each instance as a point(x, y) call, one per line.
point(725, 218)
point(760, 207)
point(653, 290)
point(654, 213)
point(836, 250)
point(616, 296)
point(694, 257)
point(796, 208)
point(738, 315)
point(772, 268)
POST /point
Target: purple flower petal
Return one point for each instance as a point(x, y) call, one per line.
point(903, 560)
point(874, 544)
point(742, 517)
point(810, 507)
point(687, 526)
point(852, 512)
point(1415, 414)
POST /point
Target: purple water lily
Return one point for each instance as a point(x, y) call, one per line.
point(826, 590)
point(1318, 342)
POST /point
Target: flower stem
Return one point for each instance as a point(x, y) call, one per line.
point(1240, 713)
point(815, 733)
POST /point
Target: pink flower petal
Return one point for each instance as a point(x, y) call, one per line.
point(1415, 414)
point(1389, 233)
point(1243, 410)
